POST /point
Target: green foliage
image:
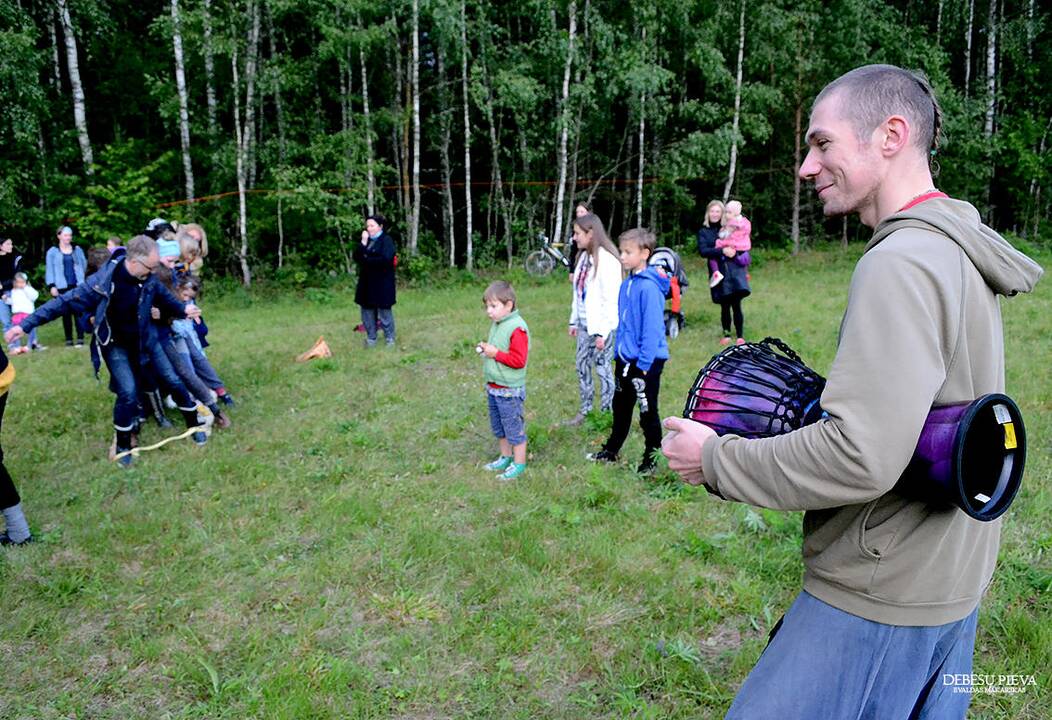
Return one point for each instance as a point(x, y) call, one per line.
point(120, 193)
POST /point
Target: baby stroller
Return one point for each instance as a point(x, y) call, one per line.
point(669, 262)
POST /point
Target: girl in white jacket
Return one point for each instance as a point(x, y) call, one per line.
point(593, 313)
point(22, 299)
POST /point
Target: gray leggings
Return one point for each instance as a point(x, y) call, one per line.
point(370, 316)
point(588, 357)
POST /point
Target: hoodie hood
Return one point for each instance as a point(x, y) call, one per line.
point(656, 275)
point(1006, 270)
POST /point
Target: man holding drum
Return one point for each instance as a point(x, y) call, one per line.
point(891, 585)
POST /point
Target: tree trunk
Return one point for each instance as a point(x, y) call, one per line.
point(1030, 30)
point(642, 156)
point(370, 179)
point(469, 244)
point(184, 108)
point(243, 135)
point(938, 25)
point(737, 106)
point(210, 89)
point(564, 105)
point(79, 113)
point(1035, 187)
point(414, 224)
point(968, 48)
point(991, 71)
point(56, 81)
point(445, 112)
point(991, 100)
point(794, 233)
point(402, 131)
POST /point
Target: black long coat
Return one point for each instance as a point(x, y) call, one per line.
point(376, 272)
point(735, 285)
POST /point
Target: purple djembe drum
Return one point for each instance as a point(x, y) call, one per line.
point(970, 454)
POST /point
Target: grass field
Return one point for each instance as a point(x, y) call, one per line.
point(338, 553)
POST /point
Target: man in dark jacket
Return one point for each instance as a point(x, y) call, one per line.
point(118, 298)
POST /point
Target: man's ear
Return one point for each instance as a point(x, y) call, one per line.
point(896, 131)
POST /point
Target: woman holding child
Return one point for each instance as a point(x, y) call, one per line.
point(593, 312)
point(725, 230)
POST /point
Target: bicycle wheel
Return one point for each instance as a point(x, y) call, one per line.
point(539, 263)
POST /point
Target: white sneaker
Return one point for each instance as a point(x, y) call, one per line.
point(717, 278)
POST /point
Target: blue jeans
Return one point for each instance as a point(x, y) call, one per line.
point(825, 663)
point(195, 358)
point(124, 367)
point(386, 317)
point(507, 416)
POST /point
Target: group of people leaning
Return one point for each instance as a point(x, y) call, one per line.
point(137, 303)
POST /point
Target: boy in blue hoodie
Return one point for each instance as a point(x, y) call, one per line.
point(641, 348)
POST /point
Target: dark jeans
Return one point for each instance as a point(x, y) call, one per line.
point(124, 367)
point(69, 322)
point(8, 494)
point(625, 399)
point(726, 308)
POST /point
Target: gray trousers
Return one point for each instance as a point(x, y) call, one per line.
point(589, 357)
point(386, 317)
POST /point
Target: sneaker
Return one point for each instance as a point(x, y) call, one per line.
point(725, 340)
point(6, 540)
point(200, 438)
point(227, 399)
point(163, 421)
point(39, 348)
point(80, 343)
point(513, 471)
point(169, 403)
point(602, 455)
point(221, 420)
point(69, 343)
point(124, 461)
point(717, 278)
point(647, 466)
point(739, 341)
point(499, 465)
point(575, 421)
point(20, 351)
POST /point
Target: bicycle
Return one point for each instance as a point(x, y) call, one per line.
point(540, 263)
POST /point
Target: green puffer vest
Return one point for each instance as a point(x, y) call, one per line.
point(500, 335)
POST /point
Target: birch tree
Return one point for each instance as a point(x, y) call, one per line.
point(184, 110)
point(468, 243)
point(244, 127)
point(80, 119)
point(370, 179)
point(414, 220)
point(968, 47)
point(446, 122)
point(737, 106)
point(210, 89)
point(564, 123)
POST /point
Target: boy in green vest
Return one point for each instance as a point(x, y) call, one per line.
point(504, 357)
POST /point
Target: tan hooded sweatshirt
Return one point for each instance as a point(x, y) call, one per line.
point(922, 328)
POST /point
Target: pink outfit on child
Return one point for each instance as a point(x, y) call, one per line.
point(739, 238)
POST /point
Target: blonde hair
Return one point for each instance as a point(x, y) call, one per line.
point(712, 204)
point(189, 247)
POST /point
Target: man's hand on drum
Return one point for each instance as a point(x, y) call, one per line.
point(682, 446)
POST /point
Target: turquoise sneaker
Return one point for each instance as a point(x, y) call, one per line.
point(513, 471)
point(499, 465)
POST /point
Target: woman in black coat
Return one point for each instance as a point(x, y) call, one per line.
point(729, 293)
point(375, 256)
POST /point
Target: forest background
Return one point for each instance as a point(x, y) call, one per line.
point(474, 126)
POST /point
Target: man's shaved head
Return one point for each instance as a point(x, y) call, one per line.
point(871, 94)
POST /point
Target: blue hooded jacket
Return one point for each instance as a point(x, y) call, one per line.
point(641, 318)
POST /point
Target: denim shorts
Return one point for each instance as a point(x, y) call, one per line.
point(507, 416)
